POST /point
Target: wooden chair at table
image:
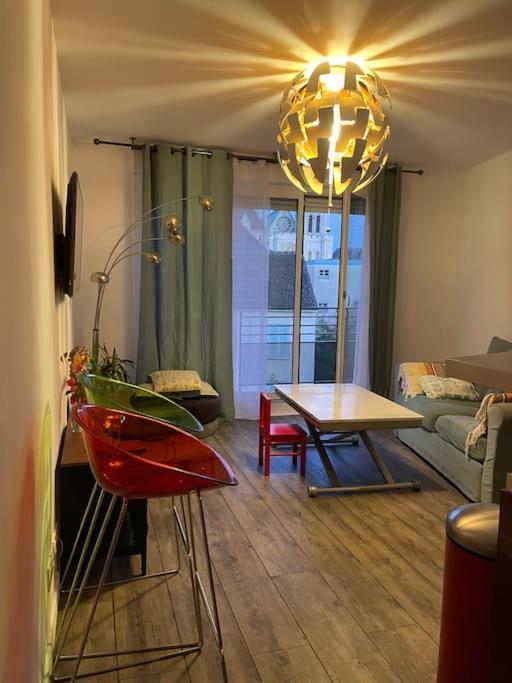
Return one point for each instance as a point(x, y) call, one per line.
point(277, 434)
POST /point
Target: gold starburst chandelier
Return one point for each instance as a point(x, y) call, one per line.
point(334, 127)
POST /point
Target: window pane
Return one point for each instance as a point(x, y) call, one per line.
point(282, 224)
point(353, 288)
point(319, 295)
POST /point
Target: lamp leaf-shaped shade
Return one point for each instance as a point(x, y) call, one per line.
point(172, 222)
point(100, 278)
point(334, 127)
point(152, 256)
point(206, 202)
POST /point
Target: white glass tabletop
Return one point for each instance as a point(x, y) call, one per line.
point(346, 406)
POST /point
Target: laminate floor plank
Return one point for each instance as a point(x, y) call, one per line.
point(144, 614)
point(343, 647)
point(205, 667)
point(102, 637)
point(410, 588)
point(263, 616)
point(299, 665)
point(274, 545)
point(411, 652)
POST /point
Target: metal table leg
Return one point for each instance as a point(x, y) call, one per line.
point(338, 439)
point(320, 447)
point(390, 483)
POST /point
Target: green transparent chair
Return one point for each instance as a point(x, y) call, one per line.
point(110, 393)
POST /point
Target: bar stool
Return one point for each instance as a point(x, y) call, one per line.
point(136, 457)
point(110, 393)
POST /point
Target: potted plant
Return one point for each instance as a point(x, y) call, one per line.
point(80, 363)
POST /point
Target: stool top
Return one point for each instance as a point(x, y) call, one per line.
point(475, 528)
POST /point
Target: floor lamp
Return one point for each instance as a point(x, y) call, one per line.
point(119, 253)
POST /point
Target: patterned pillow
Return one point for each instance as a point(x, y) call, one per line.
point(408, 374)
point(208, 390)
point(447, 387)
point(175, 380)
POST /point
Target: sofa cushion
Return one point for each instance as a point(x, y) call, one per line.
point(455, 428)
point(498, 345)
point(433, 408)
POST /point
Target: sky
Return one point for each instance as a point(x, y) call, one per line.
point(356, 232)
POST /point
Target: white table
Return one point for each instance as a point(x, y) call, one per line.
point(348, 409)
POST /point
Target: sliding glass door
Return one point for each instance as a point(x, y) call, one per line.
point(314, 289)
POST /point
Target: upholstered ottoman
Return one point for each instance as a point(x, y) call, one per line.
point(205, 405)
point(205, 408)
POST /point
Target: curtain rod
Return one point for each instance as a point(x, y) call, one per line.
point(206, 152)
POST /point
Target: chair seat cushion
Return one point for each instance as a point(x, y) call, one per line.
point(286, 430)
point(455, 428)
point(433, 408)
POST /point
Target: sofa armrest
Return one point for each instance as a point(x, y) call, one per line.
point(498, 456)
point(398, 396)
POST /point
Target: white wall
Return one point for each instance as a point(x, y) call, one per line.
point(426, 317)
point(455, 261)
point(35, 323)
point(487, 254)
point(110, 181)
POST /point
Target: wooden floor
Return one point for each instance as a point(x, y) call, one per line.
point(310, 589)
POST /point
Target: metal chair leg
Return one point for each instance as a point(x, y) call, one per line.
point(176, 649)
point(192, 556)
point(101, 582)
point(95, 489)
point(185, 529)
point(214, 613)
point(81, 560)
point(65, 627)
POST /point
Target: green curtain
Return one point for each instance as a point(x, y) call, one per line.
point(185, 301)
point(384, 221)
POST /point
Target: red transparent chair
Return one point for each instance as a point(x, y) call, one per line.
point(110, 393)
point(134, 456)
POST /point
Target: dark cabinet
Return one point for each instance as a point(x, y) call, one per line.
point(74, 483)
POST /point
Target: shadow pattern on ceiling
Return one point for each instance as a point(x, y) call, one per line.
point(213, 73)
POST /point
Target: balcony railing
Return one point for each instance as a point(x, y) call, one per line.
point(318, 338)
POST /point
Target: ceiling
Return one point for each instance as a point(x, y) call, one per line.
point(211, 72)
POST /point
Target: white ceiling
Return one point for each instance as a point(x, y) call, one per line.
point(211, 72)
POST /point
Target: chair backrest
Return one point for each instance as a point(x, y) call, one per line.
point(265, 411)
point(135, 456)
point(111, 393)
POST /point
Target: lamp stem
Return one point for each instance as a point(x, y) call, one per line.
point(140, 221)
point(122, 254)
point(96, 327)
point(99, 303)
